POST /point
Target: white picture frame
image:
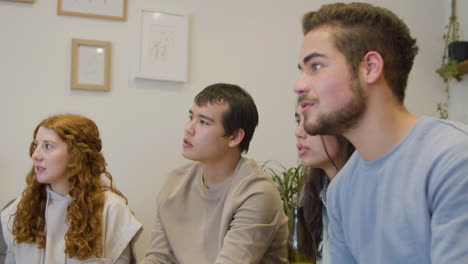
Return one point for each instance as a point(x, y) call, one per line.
point(106, 9)
point(91, 65)
point(163, 46)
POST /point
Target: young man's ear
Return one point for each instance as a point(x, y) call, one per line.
point(236, 137)
point(373, 65)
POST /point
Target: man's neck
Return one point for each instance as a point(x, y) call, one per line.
point(218, 171)
point(381, 128)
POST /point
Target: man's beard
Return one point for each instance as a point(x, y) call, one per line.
point(340, 121)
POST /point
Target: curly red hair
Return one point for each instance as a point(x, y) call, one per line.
point(86, 165)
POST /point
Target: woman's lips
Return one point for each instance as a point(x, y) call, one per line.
point(39, 169)
point(301, 150)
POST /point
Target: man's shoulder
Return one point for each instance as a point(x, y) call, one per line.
point(252, 183)
point(250, 175)
point(443, 130)
point(182, 172)
point(439, 138)
point(177, 179)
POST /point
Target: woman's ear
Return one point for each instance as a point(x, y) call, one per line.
point(372, 67)
point(236, 137)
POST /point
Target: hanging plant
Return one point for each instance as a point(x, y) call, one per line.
point(448, 69)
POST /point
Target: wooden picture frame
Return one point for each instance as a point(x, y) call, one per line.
point(20, 1)
point(91, 65)
point(163, 46)
point(106, 9)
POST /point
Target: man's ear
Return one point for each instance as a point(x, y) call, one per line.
point(372, 67)
point(236, 137)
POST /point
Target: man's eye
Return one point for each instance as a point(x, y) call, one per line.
point(316, 66)
point(190, 117)
point(298, 121)
point(203, 122)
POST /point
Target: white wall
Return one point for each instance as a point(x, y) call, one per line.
point(252, 43)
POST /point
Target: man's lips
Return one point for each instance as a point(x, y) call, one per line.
point(187, 143)
point(305, 106)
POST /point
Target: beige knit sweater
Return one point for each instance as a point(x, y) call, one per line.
point(238, 221)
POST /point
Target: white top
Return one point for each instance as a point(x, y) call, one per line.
point(119, 229)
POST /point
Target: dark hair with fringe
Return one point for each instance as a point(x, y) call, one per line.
point(358, 28)
point(242, 111)
point(86, 165)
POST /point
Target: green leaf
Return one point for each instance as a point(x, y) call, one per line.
point(288, 181)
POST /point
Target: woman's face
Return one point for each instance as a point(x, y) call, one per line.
point(50, 158)
point(311, 150)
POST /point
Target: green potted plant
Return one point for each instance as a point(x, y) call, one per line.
point(448, 69)
point(288, 181)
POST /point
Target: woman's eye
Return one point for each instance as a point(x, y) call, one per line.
point(298, 121)
point(190, 117)
point(48, 146)
point(203, 122)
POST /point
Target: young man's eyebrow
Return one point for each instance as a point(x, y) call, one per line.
point(206, 117)
point(309, 57)
point(202, 116)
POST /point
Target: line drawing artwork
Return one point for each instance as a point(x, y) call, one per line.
point(162, 43)
point(91, 65)
point(163, 46)
point(91, 3)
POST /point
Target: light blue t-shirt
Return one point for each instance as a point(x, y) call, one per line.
point(408, 206)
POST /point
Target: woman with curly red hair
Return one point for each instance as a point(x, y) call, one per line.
point(68, 211)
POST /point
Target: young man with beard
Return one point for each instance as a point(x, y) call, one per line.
point(220, 208)
point(402, 197)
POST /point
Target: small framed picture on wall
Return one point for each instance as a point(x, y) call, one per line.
point(91, 65)
point(107, 9)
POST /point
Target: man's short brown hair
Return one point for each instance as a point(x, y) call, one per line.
point(358, 28)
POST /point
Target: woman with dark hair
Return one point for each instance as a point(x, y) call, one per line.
point(69, 211)
point(322, 158)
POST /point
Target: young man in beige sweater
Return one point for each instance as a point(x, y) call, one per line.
point(220, 208)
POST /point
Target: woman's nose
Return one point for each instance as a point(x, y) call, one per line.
point(300, 133)
point(37, 154)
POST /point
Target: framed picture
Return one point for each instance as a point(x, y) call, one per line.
point(108, 9)
point(163, 46)
point(90, 65)
point(21, 1)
